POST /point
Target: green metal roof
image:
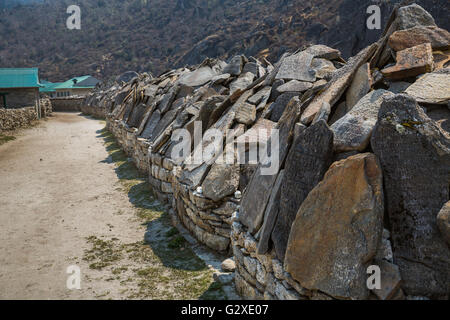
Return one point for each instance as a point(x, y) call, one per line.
point(19, 78)
point(71, 84)
point(49, 86)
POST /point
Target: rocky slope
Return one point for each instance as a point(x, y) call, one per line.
point(157, 35)
point(364, 163)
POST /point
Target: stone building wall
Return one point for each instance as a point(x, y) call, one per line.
point(20, 97)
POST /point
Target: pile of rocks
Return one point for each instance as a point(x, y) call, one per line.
point(364, 153)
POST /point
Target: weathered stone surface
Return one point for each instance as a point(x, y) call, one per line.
point(295, 86)
point(338, 84)
point(415, 156)
point(278, 107)
point(259, 189)
point(443, 221)
point(323, 68)
point(297, 67)
point(324, 52)
point(151, 124)
point(384, 251)
point(244, 288)
point(390, 280)
point(433, 88)
point(241, 83)
point(308, 160)
point(252, 67)
point(270, 216)
point(246, 113)
point(412, 16)
point(235, 66)
point(441, 59)
point(221, 181)
point(353, 131)
point(360, 86)
point(411, 62)
point(404, 39)
point(338, 228)
point(228, 265)
point(323, 114)
point(197, 77)
point(398, 87)
point(258, 97)
point(168, 99)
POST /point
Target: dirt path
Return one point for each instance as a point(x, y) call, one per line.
point(67, 200)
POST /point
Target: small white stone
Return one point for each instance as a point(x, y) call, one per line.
point(199, 190)
point(238, 195)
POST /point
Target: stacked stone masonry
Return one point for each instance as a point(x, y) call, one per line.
point(11, 119)
point(358, 141)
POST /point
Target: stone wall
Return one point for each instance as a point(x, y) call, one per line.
point(11, 119)
point(67, 104)
point(93, 111)
point(313, 228)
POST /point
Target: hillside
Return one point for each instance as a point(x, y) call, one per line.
point(145, 35)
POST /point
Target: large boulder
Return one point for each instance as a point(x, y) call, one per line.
point(415, 156)
point(412, 16)
point(338, 229)
point(353, 131)
point(309, 158)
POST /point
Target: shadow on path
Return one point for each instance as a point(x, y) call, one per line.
point(165, 241)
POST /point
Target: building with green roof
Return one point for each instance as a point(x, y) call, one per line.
point(78, 86)
point(19, 87)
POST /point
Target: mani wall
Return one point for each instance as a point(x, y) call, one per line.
point(67, 104)
point(364, 153)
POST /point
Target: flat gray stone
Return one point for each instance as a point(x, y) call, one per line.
point(413, 16)
point(361, 84)
point(270, 215)
point(324, 52)
point(244, 81)
point(433, 88)
point(297, 67)
point(235, 66)
point(259, 189)
point(294, 86)
point(309, 158)
point(221, 181)
point(352, 132)
point(197, 77)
